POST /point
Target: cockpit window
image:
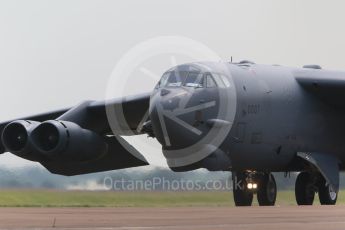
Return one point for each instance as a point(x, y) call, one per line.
point(221, 80)
point(210, 82)
point(225, 81)
point(173, 79)
point(194, 79)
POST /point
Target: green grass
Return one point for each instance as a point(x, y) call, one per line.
point(54, 198)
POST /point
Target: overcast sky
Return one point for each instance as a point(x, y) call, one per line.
point(54, 54)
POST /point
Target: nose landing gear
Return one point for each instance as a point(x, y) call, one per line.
point(267, 192)
point(242, 194)
point(246, 184)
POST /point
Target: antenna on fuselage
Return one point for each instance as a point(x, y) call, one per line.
point(231, 60)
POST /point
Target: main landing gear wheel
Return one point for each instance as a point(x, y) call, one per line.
point(242, 196)
point(267, 191)
point(327, 194)
point(305, 189)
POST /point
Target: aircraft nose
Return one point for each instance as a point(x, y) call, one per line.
point(166, 100)
point(176, 117)
point(169, 99)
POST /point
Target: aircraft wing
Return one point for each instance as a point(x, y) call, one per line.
point(81, 139)
point(329, 86)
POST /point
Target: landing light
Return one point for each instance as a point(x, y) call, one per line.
point(252, 186)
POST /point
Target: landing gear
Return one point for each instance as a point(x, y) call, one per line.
point(305, 189)
point(308, 183)
point(327, 194)
point(242, 195)
point(267, 191)
point(246, 184)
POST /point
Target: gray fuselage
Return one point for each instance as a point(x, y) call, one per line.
point(277, 118)
point(274, 119)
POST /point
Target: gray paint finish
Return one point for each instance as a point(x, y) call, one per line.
point(275, 112)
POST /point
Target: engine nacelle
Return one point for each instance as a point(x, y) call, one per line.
point(16, 138)
point(63, 140)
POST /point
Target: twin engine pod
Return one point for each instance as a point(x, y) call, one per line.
point(56, 140)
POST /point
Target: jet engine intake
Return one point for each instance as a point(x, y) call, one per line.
point(63, 140)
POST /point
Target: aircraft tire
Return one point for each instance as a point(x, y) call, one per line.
point(304, 190)
point(267, 191)
point(242, 197)
point(327, 195)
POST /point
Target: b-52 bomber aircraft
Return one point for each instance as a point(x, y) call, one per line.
point(245, 118)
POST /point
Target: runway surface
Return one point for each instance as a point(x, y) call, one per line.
point(266, 218)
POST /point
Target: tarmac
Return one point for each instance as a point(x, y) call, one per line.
point(179, 218)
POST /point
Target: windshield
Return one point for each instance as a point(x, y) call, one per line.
point(194, 79)
point(173, 79)
point(182, 78)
